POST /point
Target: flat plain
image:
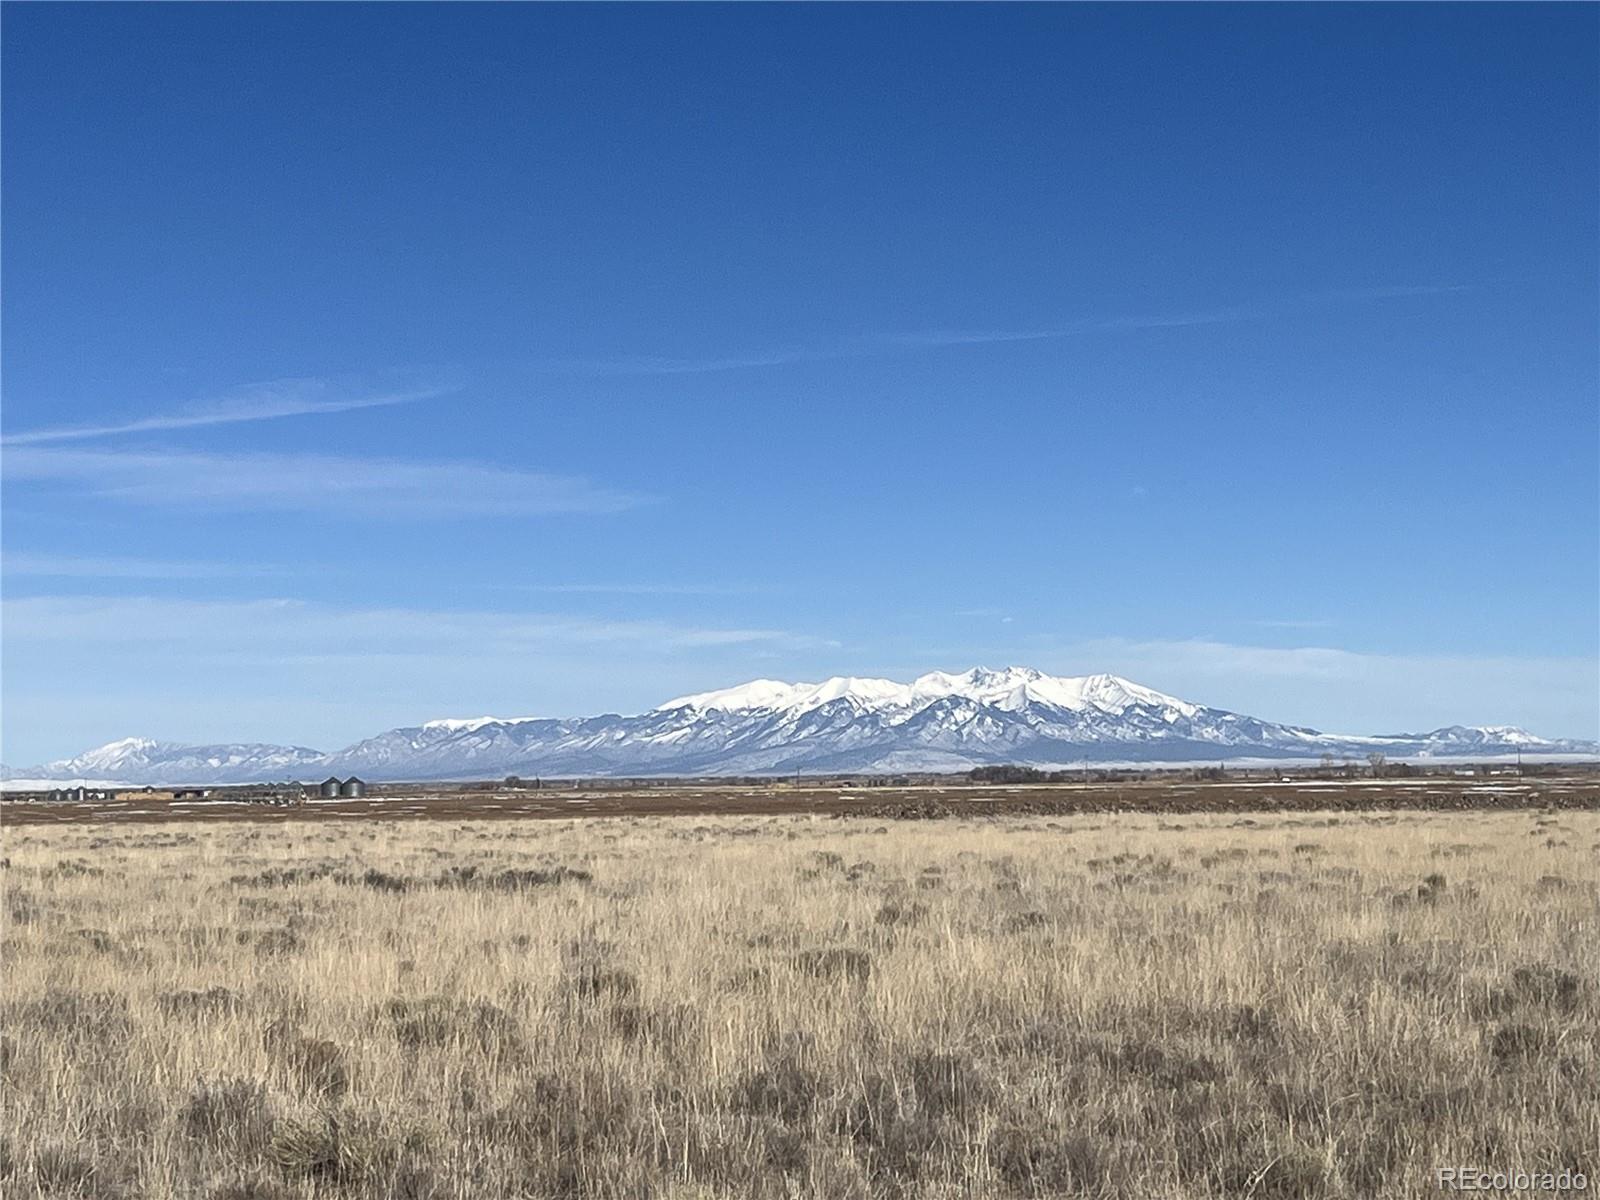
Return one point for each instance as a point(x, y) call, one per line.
point(1153, 1004)
point(1568, 787)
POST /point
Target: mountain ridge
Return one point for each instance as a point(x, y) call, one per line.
point(937, 722)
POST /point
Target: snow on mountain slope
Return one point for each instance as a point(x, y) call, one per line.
point(1013, 688)
point(144, 760)
point(938, 721)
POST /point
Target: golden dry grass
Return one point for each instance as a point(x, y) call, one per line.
point(1319, 1006)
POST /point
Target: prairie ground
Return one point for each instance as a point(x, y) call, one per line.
point(1305, 1005)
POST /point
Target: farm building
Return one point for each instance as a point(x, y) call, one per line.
point(328, 787)
point(352, 787)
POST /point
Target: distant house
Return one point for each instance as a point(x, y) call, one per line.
point(329, 787)
point(351, 787)
point(190, 793)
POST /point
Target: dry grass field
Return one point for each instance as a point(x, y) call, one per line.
point(1306, 1005)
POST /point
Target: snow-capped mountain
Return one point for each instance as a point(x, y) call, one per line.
point(938, 722)
point(144, 760)
point(1011, 689)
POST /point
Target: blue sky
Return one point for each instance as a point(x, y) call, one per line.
point(371, 364)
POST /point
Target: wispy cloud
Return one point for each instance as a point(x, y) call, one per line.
point(868, 345)
point(637, 589)
point(311, 483)
point(1291, 623)
point(254, 402)
point(252, 628)
point(1397, 291)
point(871, 345)
point(55, 566)
point(934, 338)
point(649, 364)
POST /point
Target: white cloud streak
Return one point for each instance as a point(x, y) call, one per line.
point(254, 402)
point(635, 589)
point(250, 628)
point(56, 566)
point(880, 344)
point(347, 486)
point(933, 339)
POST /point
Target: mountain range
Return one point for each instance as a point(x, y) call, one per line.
point(938, 722)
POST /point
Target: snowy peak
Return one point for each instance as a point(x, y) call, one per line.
point(472, 724)
point(773, 695)
point(146, 760)
point(113, 754)
point(1011, 689)
point(1474, 735)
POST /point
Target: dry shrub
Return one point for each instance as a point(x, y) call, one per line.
point(573, 1134)
point(1046, 1161)
point(63, 1171)
point(511, 880)
point(213, 1001)
point(666, 1026)
point(271, 942)
point(895, 912)
point(596, 981)
point(232, 1113)
point(1251, 1023)
point(250, 1187)
point(286, 876)
point(382, 881)
point(782, 1087)
point(1516, 1043)
point(1430, 891)
point(1240, 1153)
point(1167, 1066)
point(835, 962)
point(97, 1017)
point(314, 1065)
point(947, 1084)
point(23, 907)
point(517, 881)
point(340, 1149)
point(319, 1066)
point(70, 868)
point(438, 1021)
point(895, 1141)
point(1548, 985)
